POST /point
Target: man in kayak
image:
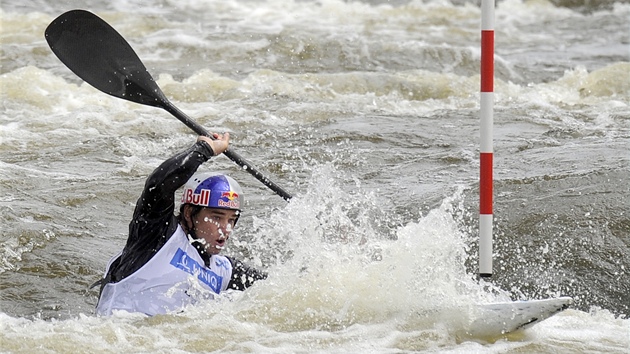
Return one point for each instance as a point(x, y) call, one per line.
point(171, 261)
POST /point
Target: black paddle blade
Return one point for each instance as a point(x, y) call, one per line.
point(98, 54)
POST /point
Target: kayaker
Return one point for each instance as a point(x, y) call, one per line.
point(171, 261)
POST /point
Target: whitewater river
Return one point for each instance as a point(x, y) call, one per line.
point(368, 113)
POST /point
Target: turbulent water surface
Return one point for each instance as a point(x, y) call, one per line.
point(368, 113)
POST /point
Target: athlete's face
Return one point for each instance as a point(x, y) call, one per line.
point(214, 227)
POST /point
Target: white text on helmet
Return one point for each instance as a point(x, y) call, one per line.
point(202, 198)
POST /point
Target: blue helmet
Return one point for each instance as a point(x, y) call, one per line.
point(213, 190)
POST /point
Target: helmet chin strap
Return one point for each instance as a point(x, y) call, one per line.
point(197, 242)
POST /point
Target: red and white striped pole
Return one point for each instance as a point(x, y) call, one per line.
point(486, 152)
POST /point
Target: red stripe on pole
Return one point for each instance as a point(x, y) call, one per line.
point(487, 61)
point(485, 183)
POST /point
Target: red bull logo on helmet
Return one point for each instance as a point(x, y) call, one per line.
point(229, 200)
point(201, 198)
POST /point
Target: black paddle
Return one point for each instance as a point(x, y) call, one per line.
point(98, 54)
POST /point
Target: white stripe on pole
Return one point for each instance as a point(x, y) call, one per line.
point(487, 15)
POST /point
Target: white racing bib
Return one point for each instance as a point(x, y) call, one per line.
point(174, 278)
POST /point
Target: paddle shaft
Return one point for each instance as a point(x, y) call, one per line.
point(177, 113)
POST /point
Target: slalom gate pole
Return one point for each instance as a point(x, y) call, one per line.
point(486, 150)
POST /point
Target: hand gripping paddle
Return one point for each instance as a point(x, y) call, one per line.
point(100, 56)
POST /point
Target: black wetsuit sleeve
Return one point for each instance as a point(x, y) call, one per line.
point(154, 221)
point(243, 276)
